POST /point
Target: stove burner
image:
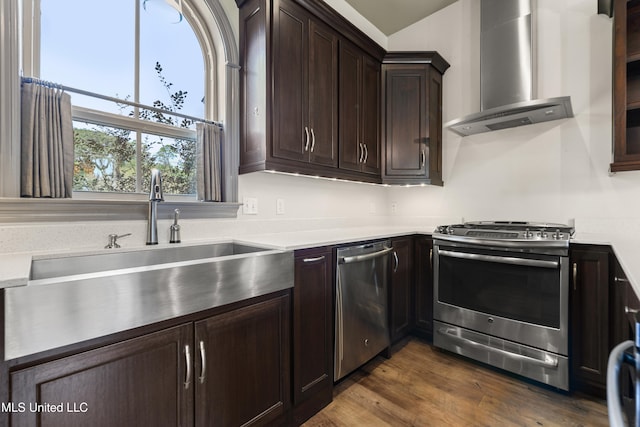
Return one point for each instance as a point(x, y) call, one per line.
point(512, 233)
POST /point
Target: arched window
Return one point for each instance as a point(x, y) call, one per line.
point(171, 54)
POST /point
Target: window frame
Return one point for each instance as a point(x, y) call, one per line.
point(213, 30)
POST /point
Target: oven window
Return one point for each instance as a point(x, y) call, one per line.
point(524, 293)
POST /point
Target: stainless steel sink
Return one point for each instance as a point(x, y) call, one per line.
point(85, 264)
point(73, 299)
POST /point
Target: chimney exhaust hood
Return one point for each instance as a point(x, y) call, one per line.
point(507, 72)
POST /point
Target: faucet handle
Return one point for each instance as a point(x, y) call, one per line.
point(112, 240)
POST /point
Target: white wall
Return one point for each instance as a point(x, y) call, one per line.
point(554, 171)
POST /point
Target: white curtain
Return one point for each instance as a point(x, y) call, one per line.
point(209, 152)
point(47, 142)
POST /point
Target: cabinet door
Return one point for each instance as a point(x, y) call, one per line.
point(405, 121)
point(290, 61)
point(313, 328)
point(400, 288)
point(423, 262)
point(242, 365)
point(370, 115)
point(590, 318)
point(351, 151)
point(323, 95)
point(139, 382)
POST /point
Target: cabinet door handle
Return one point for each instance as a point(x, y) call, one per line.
point(187, 358)
point(306, 139)
point(320, 258)
point(395, 261)
point(575, 276)
point(203, 359)
point(423, 158)
point(361, 152)
point(313, 140)
point(620, 280)
point(431, 257)
point(366, 153)
point(628, 310)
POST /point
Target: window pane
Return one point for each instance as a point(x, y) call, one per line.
point(171, 63)
point(89, 45)
point(105, 159)
point(174, 158)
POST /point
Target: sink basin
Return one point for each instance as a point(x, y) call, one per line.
point(77, 298)
point(83, 264)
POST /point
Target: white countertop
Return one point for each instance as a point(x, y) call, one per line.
point(15, 268)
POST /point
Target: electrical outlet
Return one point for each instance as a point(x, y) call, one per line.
point(279, 206)
point(250, 206)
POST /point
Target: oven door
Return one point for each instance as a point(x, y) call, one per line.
point(517, 296)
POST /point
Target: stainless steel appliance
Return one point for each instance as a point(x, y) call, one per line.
point(501, 294)
point(361, 324)
point(623, 394)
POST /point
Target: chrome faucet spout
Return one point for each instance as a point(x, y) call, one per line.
point(155, 196)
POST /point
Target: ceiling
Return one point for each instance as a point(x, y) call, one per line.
point(390, 16)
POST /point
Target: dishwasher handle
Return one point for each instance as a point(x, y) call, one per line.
point(364, 257)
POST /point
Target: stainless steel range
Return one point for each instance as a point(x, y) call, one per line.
point(501, 292)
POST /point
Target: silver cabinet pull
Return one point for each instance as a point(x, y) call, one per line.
point(366, 153)
point(395, 261)
point(423, 158)
point(320, 258)
point(628, 310)
point(431, 257)
point(187, 358)
point(203, 359)
point(361, 152)
point(306, 140)
point(620, 280)
point(575, 276)
point(313, 140)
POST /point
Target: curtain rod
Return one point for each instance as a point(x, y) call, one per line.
point(116, 100)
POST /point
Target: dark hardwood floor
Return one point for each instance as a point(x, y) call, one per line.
point(422, 386)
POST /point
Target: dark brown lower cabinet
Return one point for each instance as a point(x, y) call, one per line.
point(400, 288)
point(423, 267)
point(136, 382)
point(590, 316)
point(228, 370)
point(241, 372)
point(312, 332)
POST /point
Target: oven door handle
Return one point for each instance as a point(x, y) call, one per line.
point(500, 259)
point(548, 362)
point(365, 257)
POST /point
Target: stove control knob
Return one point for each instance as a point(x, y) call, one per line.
point(450, 230)
point(557, 235)
point(543, 235)
point(528, 234)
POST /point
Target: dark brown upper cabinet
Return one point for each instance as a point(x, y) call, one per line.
point(626, 86)
point(305, 88)
point(412, 117)
point(290, 91)
point(359, 110)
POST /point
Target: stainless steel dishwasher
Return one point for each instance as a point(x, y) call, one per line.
point(362, 327)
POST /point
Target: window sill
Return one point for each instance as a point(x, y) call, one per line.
point(15, 210)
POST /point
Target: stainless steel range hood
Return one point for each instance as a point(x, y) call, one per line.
point(507, 72)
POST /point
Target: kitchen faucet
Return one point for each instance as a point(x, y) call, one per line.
point(155, 196)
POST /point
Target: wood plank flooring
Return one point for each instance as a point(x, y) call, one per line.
point(423, 386)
